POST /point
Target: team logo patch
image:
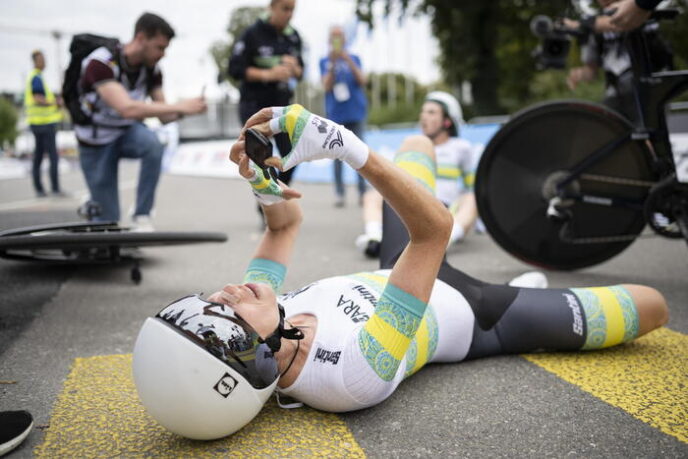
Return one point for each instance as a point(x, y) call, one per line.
point(337, 141)
point(225, 385)
point(322, 126)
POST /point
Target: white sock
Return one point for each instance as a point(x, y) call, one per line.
point(531, 279)
point(457, 233)
point(374, 230)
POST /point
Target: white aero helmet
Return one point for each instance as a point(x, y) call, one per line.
point(200, 369)
point(451, 107)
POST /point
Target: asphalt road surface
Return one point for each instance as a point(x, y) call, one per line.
point(66, 334)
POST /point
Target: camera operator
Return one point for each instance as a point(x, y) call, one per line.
point(605, 49)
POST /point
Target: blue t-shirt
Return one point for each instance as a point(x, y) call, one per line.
point(345, 110)
point(37, 85)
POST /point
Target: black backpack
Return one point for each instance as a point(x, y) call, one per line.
point(82, 45)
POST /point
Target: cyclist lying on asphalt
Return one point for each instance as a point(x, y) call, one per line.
point(204, 368)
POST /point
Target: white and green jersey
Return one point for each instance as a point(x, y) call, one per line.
point(370, 335)
point(456, 164)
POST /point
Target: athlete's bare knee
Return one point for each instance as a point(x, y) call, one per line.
point(651, 306)
point(418, 143)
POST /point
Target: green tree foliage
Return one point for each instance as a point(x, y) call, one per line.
point(675, 32)
point(8, 122)
point(400, 110)
point(239, 20)
point(485, 43)
point(489, 44)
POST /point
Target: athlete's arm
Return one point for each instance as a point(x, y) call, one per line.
point(385, 338)
point(282, 222)
point(282, 212)
point(114, 95)
point(426, 219)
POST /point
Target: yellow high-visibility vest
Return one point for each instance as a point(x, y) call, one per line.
point(40, 114)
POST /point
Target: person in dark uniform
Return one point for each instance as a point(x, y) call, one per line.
point(267, 60)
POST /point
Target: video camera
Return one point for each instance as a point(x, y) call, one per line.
point(555, 43)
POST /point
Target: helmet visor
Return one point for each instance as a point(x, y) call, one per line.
point(223, 333)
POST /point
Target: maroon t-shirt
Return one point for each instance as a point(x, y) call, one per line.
point(100, 67)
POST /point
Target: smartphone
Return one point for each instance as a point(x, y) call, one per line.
point(259, 148)
point(336, 44)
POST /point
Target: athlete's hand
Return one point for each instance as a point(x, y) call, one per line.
point(258, 121)
point(313, 137)
point(267, 192)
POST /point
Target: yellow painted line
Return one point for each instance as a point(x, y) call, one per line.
point(647, 378)
point(98, 414)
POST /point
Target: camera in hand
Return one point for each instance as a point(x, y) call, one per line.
point(555, 44)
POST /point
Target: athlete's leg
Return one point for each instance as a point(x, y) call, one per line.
point(564, 319)
point(416, 156)
point(369, 241)
point(650, 305)
point(465, 212)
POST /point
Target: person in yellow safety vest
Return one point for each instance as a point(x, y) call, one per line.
point(43, 114)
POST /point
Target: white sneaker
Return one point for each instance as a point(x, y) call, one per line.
point(370, 246)
point(14, 428)
point(141, 224)
point(361, 241)
point(531, 279)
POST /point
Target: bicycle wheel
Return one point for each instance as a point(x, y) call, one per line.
point(530, 154)
point(89, 243)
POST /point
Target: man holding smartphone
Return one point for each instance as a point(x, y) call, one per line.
point(267, 60)
point(345, 99)
point(115, 87)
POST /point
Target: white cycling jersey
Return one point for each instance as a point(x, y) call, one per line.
point(337, 377)
point(456, 164)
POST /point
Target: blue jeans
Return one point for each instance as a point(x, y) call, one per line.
point(44, 135)
point(357, 127)
point(100, 165)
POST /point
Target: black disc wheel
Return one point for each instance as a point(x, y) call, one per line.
point(90, 242)
point(531, 154)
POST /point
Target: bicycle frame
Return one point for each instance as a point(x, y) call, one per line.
point(651, 92)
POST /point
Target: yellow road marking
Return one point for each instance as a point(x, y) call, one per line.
point(99, 414)
point(647, 378)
